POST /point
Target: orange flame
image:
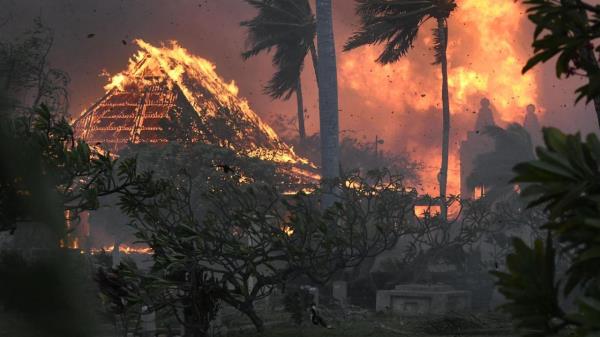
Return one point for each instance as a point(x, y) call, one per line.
point(197, 79)
point(125, 249)
point(289, 231)
point(421, 211)
point(485, 60)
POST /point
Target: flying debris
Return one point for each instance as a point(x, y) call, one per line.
point(226, 168)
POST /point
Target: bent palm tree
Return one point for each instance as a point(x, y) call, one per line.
point(289, 27)
point(396, 23)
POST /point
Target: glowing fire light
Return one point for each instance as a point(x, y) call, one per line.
point(123, 249)
point(206, 92)
point(421, 211)
point(485, 60)
point(289, 231)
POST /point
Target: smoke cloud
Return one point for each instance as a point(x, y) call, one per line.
point(489, 42)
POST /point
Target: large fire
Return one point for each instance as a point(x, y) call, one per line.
point(211, 97)
point(489, 42)
point(485, 60)
point(167, 84)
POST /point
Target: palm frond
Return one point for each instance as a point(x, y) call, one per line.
point(258, 44)
point(289, 61)
point(399, 45)
point(288, 27)
point(395, 23)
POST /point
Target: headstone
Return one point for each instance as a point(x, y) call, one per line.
point(313, 291)
point(340, 291)
point(414, 299)
point(148, 322)
point(5, 240)
point(116, 255)
point(497, 299)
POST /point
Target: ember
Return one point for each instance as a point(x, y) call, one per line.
point(482, 33)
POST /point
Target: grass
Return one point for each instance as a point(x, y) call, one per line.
point(371, 326)
point(374, 326)
point(11, 325)
point(347, 329)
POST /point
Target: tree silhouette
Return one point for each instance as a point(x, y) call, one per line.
point(288, 26)
point(568, 29)
point(396, 23)
point(26, 76)
point(494, 169)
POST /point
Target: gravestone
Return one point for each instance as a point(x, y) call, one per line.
point(116, 255)
point(148, 322)
point(340, 291)
point(5, 240)
point(415, 299)
point(313, 291)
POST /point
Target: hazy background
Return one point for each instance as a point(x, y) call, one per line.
point(489, 43)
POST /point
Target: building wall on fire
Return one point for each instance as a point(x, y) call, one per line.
point(169, 95)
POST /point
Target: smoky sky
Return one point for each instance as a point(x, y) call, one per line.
point(208, 28)
point(211, 29)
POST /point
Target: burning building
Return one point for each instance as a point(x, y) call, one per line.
point(168, 94)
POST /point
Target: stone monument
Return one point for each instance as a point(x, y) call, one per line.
point(417, 299)
point(340, 292)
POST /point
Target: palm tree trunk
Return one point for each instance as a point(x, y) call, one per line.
point(328, 99)
point(300, 101)
point(315, 61)
point(443, 32)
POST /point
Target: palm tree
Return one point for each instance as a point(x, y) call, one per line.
point(289, 27)
point(328, 97)
point(397, 23)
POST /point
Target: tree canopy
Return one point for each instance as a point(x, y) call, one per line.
point(396, 23)
point(288, 26)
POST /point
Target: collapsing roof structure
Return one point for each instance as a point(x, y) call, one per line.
point(168, 94)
